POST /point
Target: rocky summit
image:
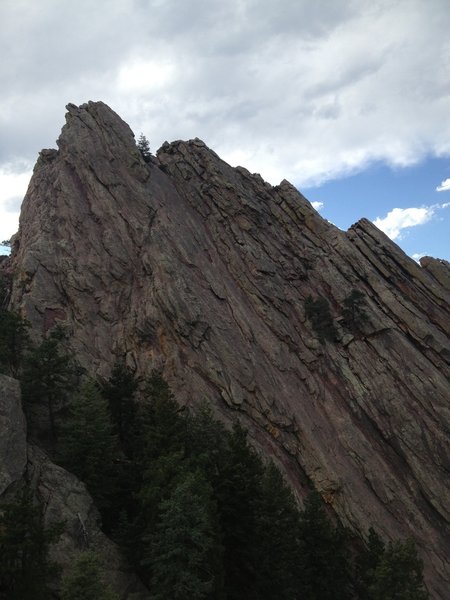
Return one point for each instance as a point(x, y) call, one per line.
point(212, 275)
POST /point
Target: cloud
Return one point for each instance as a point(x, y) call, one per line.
point(313, 92)
point(418, 255)
point(14, 179)
point(317, 205)
point(144, 76)
point(403, 218)
point(316, 91)
point(444, 187)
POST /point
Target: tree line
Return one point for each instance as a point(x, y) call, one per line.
point(195, 508)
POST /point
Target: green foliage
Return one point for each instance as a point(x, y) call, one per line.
point(239, 494)
point(144, 148)
point(120, 391)
point(367, 562)
point(161, 427)
point(389, 573)
point(324, 556)
point(89, 445)
point(159, 457)
point(84, 581)
point(277, 551)
point(318, 313)
point(185, 550)
point(206, 443)
point(354, 311)
point(14, 340)
point(200, 515)
point(5, 285)
point(48, 376)
point(25, 569)
point(398, 574)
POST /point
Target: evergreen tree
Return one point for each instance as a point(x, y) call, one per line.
point(159, 459)
point(89, 445)
point(366, 563)
point(144, 148)
point(14, 340)
point(206, 443)
point(5, 284)
point(25, 569)
point(354, 312)
point(161, 429)
point(48, 376)
point(318, 313)
point(277, 550)
point(119, 391)
point(398, 574)
point(239, 495)
point(84, 581)
point(324, 567)
point(185, 549)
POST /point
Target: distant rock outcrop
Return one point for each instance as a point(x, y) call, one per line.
point(188, 264)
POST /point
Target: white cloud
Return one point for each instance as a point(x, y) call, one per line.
point(418, 255)
point(14, 179)
point(309, 93)
point(444, 187)
point(317, 205)
point(403, 218)
point(143, 76)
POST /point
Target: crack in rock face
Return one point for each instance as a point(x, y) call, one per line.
point(203, 270)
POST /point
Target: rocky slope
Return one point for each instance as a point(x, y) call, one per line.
point(64, 499)
point(189, 265)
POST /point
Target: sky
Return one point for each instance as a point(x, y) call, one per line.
point(347, 99)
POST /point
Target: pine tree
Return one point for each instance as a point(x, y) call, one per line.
point(354, 312)
point(119, 391)
point(318, 313)
point(48, 376)
point(184, 557)
point(144, 148)
point(84, 581)
point(367, 562)
point(159, 459)
point(161, 428)
point(239, 495)
point(324, 568)
point(5, 285)
point(25, 568)
point(88, 444)
point(277, 549)
point(14, 340)
point(398, 574)
point(206, 443)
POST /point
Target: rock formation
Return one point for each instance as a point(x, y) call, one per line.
point(201, 269)
point(63, 497)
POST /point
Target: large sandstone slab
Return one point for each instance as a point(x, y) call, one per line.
point(202, 269)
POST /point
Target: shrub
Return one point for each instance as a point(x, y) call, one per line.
point(318, 313)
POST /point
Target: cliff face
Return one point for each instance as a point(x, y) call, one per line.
point(201, 269)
